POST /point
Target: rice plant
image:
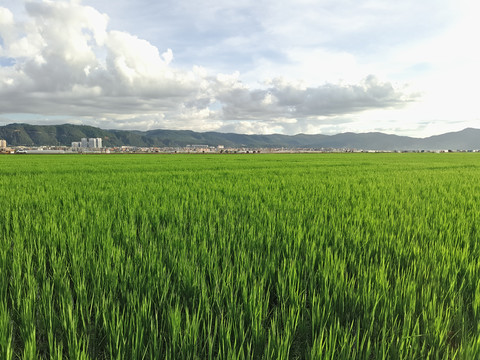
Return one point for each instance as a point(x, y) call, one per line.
point(291, 256)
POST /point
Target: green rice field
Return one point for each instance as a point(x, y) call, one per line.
point(265, 256)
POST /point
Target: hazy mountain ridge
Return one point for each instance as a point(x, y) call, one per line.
point(36, 135)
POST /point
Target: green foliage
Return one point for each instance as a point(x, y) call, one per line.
point(360, 256)
point(39, 135)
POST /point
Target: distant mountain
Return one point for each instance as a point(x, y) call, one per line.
point(36, 135)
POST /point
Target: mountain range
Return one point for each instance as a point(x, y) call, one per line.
point(37, 135)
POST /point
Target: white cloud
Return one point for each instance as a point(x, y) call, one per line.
point(69, 62)
point(68, 55)
point(295, 100)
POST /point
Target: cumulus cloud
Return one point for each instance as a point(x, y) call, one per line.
point(294, 100)
point(68, 58)
point(64, 60)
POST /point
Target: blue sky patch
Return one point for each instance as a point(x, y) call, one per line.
point(6, 61)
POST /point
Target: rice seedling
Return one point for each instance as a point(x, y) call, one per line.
point(301, 256)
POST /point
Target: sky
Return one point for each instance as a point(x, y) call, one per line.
point(247, 66)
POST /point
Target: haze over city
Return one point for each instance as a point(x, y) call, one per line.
point(253, 67)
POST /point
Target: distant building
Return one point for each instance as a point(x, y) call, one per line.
point(88, 143)
point(95, 143)
point(3, 144)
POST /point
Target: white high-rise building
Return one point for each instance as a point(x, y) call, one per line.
point(3, 144)
point(95, 143)
point(88, 143)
